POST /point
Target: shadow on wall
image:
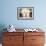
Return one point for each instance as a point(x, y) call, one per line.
point(2, 26)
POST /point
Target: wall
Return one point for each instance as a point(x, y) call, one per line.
point(8, 13)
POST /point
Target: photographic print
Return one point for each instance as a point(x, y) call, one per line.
point(25, 13)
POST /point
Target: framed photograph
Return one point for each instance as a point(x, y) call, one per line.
point(25, 13)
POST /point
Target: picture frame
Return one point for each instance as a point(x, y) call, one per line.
point(25, 13)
